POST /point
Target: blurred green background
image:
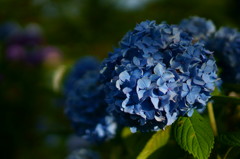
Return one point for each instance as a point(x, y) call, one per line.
point(33, 124)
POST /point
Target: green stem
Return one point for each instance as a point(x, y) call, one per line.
point(225, 156)
point(212, 118)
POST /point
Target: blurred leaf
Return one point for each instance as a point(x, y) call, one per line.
point(216, 92)
point(158, 140)
point(194, 135)
point(231, 87)
point(126, 132)
point(227, 113)
point(165, 152)
point(135, 143)
point(232, 139)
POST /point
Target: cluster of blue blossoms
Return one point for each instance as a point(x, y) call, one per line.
point(85, 104)
point(226, 45)
point(157, 74)
point(198, 28)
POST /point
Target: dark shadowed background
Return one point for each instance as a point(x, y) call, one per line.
point(33, 124)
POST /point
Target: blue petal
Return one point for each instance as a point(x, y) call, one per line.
point(155, 102)
point(198, 81)
point(170, 117)
point(194, 93)
point(163, 88)
point(150, 114)
point(129, 109)
point(100, 130)
point(140, 93)
point(196, 89)
point(206, 78)
point(157, 56)
point(133, 129)
point(168, 75)
point(143, 83)
point(147, 40)
point(210, 86)
point(159, 118)
point(154, 77)
point(124, 76)
point(159, 69)
point(185, 90)
point(190, 112)
point(150, 61)
point(190, 98)
point(136, 61)
point(160, 82)
point(118, 84)
point(126, 90)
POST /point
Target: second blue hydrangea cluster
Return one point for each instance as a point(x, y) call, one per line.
point(226, 45)
point(156, 75)
point(199, 28)
point(85, 105)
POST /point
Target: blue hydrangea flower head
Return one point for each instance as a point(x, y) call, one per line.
point(85, 104)
point(198, 27)
point(226, 45)
point(156, 75)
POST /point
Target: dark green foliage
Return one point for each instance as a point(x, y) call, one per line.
point(231, 139)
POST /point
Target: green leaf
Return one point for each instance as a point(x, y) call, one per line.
point(158, 140)
point(126, 132)
point(194, 135)
point(135, 142)
point(232, 139)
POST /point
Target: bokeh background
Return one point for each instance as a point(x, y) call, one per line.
point(33, 124)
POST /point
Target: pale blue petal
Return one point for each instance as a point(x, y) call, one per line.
point(185, 87)
point(143, 83)
point(190, 112)
point(159, 69)
point(191, 97)
point(126, 90)
point(160, 82)
point(118, 84)
point(133, 129)
point(124, 76)
point(155, 102)
point(150, 114)
point(163, 88)
point(140, 93)
point(159, 118)
point(168, 75)
point(198, 81)
point(136, 61)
